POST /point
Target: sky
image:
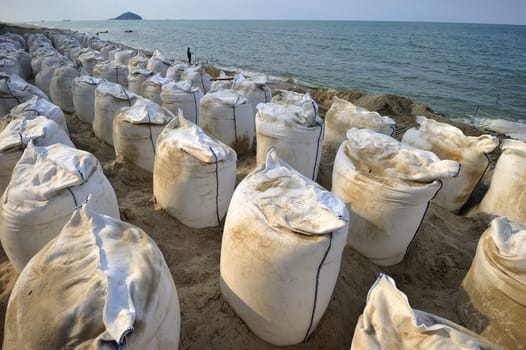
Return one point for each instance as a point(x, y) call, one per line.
point(469, 11)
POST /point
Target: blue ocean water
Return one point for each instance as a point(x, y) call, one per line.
point(457, 69)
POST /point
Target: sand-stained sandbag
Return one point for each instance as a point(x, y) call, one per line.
point(138, 61)
point(9, 65)
point(175, 71)
point(449, 142)
point(295, 131)
point(135, 131)
point(34, 107)
point(106, 49)
point(123, 56)
point(182, 95)
point(24, 61)
point(389, 323)
point(48, 183)
point(227, 116)
point(281, 251)
point(83, 92)
point(199, 78)
point(89, 60)
point(109, 98)
point(60, 88)
point(112, 71)
point(194, 175)
point(49, 65)
point(492, 299)
point(151, 88)
point(41, 55)
point(136, 78)
point(506, 195)
point(254, 89)
point(158, 63)
point(14, 91)
point(100, 284)
point(387, 187)
point(16, 136)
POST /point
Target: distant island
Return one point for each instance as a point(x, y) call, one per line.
point(128, 15)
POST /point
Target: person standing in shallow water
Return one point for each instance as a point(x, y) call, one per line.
point(189, 55)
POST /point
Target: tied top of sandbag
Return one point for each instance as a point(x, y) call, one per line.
point(510, 240)
point(115, 90)
point(182, 86)
point(41, 172)
point(157, 55)
point(288, 115)
point(87, 79)
point(108, 65)
point(20, 131)
point(12, 85)
point(35, 104)
point(382, 157)
point(294, 98)
point(290, 201)
point(138, 72)
point(514, 146)
point(447, 138)
point(66, 71)
point(157, 79)
point(343, 111)
point(191, 139)
point(224, 97)
point(144, 111)
point(240, 82)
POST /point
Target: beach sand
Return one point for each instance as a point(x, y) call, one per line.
point(430, 275)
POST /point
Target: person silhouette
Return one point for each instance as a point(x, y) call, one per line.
point(189, 55)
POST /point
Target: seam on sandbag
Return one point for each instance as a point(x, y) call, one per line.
point(127, 96)
point(235, 121)
point(217, 186)
point(74, 198)
point(317, 149)
point(316, 288)
point(195, 108)
point(150, 133)
point(117, 74)
point(10, 93)
point(202, 83)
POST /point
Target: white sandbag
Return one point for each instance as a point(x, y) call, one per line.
point(136, 78)
point(182, 95)
point(449, 142)
point(389, 323)
point(136, 129)
point(296, 133)
point(48, 183)
point(193, 175)
point(227, 116)
point(112, 72)
point(105, 50)
point(221, 82)
point(83, 92)
point(387, 187)
point(254, 89)
point(199, 78)
point(9, 65)
point(123, 56)
point(108, 287)
point(281, 251)
point(175, 71)
point(38, 106)
point(158, 63)
point(39, 55)
point(24, 61)
point(138, 61)
point(14, 91)
point(89, 60)
point(49, 65)
point(506, 195)
point(151, 88)
point(60, 89)
point(492, 301)
point(109, 98)
point(16, 136)
point(17, 38)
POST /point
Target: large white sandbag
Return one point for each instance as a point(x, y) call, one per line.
point(449, 142)
point(60, 88)
point(39, 55)
point(199, 78)
point(24, 61)
point(135, 131)
point(254, 89)
point(151, 88)
point(175, 71)
point(38, 106)
point(227, 116)
point(492, 301)
point(9, 65)
point(387, 187)
point(109, 98)
point(106, 49)
point(182, 95)
point(123, 56)
point(14, 91)
point(158, 63)
point(138, 61)
point(193, 175)
point(48, 183)
point(389, 323)
point(506, 195)
point(89, 60)
point(107, 285)
point(136, 78)
point(49, 65)
point(296, 132)
point(281, 251)
point(112, 71)
point(16, 136)
point(83, 92)
point(221, 82)
point(16, 37)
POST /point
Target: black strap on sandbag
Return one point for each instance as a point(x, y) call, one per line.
point(317, 287)
point(316, 122)
point(235, 120)
point(74, 197)
point(150, 133)
point(195, 108)
point(217, 185)
point(117, 74)
point(202, 82)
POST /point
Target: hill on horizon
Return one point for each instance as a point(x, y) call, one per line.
point(128, 15)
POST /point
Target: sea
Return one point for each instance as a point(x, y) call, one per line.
point(475, 73)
